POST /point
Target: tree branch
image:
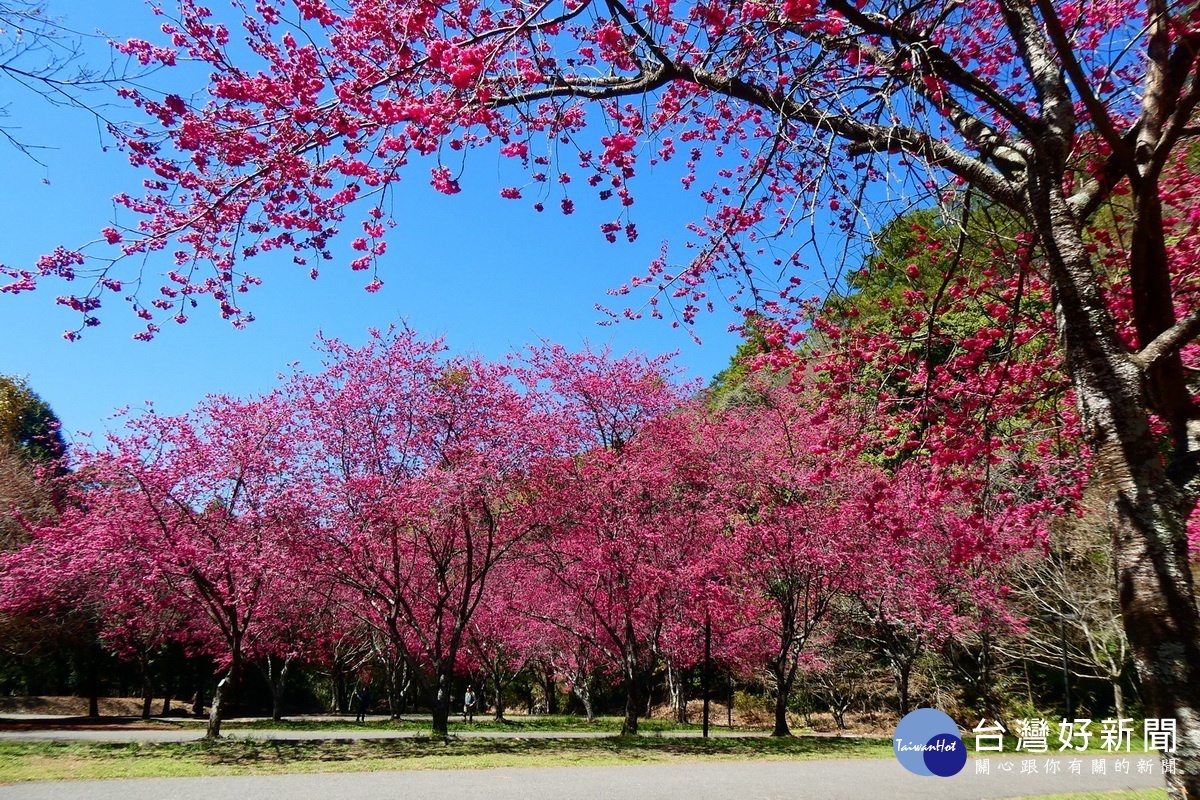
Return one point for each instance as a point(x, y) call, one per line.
point(1169, 342)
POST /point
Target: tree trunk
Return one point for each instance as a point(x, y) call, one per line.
point(276, 703)
point(1159, 612)
point(676, 694)
point(214, 712)
point(147, 697)
point(277, 688)
point(783, 690)
point(839, 713)
point(224, 687)
point(1118, 696)
point(93, 680)
point(583, 692)
point(588, 709)
point(498, 699)
point(277, 681)
point(440, 703)
point(550, 688)
point(635, 698)
point(902, 673)
point(1148, 504)
point(397, 684)
point(339, 692)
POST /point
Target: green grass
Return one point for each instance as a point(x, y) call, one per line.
point(29, 761)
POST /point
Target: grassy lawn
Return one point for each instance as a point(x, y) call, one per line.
point(28, 761)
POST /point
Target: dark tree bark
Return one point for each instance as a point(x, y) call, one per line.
point(220, 696)
point(635, 701)
point(785, 678)
point(440, 704)
point(147, 697)
point(275, 671)
point(549, 688)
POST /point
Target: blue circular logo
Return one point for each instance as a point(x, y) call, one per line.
point(927, 743)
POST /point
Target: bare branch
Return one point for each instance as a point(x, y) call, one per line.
point(1169, 342)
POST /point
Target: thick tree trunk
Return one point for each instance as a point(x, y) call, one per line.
point(214, 711)
point(277, 689)
point(839, 713)
point(276, 704)
point(498, 700)
point(588, 709)
point(220, 695)
point(1161, 621)
point(1148, 504)
point(635, 700)
point(440, 704)
point(783, 690)
point(580, 688)
point(147, 688)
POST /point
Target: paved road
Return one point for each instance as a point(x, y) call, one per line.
point(763, 780)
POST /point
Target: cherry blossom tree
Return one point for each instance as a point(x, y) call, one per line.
point(626, 517)
point(419, 461)
point(805, 516)
point(1059, 114)
point(189, 518)
point(502, 641)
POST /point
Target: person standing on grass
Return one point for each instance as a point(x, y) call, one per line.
point(469, 705)
point(361, 699)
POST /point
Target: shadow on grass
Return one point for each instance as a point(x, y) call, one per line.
point(465, 753)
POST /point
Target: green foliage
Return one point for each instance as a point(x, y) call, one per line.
point(732, 386)
point(27, 423)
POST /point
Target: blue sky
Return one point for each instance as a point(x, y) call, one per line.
point(490, 274)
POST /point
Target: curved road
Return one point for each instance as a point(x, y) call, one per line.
point(761, 780)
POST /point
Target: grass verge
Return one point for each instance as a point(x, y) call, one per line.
point(29, 761)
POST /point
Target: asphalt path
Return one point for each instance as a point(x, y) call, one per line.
point(760, 780)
